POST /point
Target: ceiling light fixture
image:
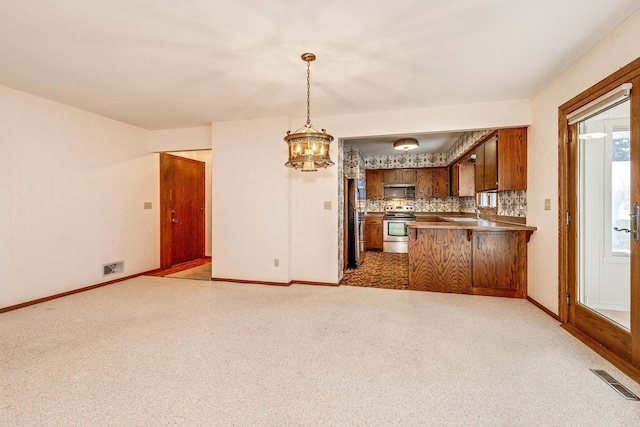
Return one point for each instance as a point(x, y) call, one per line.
point(308, 148)
point(406, 144)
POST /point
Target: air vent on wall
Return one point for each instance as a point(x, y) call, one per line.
point(112, 268)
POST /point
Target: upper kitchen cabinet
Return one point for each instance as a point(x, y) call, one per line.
point(399, 176)
point(432, 182)
point(440, 182)
point(501, 161)
point(463, 179)
point(375, 184)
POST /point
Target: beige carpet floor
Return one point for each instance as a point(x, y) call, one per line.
point(202, 272)
point(157, 352)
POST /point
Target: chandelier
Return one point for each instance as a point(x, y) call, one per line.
point(308, 148)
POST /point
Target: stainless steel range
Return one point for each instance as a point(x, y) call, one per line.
point(396, 233)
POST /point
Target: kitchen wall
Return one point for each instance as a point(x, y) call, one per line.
point(354, 162)
point(510, 203)
point(72, 189)
point(616, 50)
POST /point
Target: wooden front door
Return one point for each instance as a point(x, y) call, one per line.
point(182, 210)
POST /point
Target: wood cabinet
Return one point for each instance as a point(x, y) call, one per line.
point(499, 263)
point(399, 176)
point(440, 182)
point(463, 179)
point(373, 233)
point(423, 183)
point(374, 186)
point(470, 261)
point(501, 161)
point(439, 260)
point(432, 182)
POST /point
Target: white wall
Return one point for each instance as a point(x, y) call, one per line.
point(182, 139)
point(616, 50)
point(72, 189)
point(250, 200)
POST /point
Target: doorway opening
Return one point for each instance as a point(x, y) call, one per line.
point(599, 187)
point(184, 209)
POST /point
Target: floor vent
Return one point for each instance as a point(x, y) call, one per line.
point(622, 390)
point(112, 268)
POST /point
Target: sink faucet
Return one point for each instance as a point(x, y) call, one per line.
point(477, 212)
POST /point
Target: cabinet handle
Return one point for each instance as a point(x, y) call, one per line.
point(478, 243)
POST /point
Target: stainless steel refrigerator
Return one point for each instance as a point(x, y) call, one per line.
point(355, 222)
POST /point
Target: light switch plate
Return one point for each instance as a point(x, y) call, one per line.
point(327, 205)
point(547, 204)
point(147, 205)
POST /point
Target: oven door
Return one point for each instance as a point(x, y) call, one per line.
point(396, 236)
point(395, 230)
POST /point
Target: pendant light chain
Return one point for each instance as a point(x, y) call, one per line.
point(308, 92)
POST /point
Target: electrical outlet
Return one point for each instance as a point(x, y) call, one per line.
point(147, 205)
point(276, 262)
point(547, 204)
point(327, 205)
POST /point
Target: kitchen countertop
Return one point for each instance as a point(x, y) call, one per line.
point(470, 223)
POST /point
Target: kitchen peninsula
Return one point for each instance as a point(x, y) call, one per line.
point(469, 256)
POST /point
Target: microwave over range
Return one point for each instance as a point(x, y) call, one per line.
point(399, 191)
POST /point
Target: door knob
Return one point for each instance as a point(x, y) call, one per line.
point(634, 223)
point(174, 220)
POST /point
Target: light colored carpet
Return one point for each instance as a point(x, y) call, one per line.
point(202, 272)
point(155, 351)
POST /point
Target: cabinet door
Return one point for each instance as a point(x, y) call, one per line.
point(466, 180)
point(454, 182)
point(479, 180)
point(440, 182)
point(407, 176)
point(491, 164)
point(499, 263)
point(399, 176)
point(512, 155)
point(373, 234)
point(423, 183)
point(374, 184)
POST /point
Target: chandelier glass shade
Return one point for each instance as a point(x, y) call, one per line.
point(308, 147)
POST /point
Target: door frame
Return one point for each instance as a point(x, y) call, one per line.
point(166, 234)
point(567, 233)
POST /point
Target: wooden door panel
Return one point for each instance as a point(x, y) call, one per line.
point(440, 182)
point(491, 164)
point(423, 183)
point(374, 184)
point(182, 204)
point(499, 263)
point(479, 178)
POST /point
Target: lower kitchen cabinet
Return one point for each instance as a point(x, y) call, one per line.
point(459, 260)
point(499, 263)
point(373, 233)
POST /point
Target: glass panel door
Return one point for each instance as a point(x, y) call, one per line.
point(604, 145)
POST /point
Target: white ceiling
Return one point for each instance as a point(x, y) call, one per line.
point(162, 64)
point(427, 143)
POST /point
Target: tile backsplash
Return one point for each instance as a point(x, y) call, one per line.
point(510, 203)
point(399, 161)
